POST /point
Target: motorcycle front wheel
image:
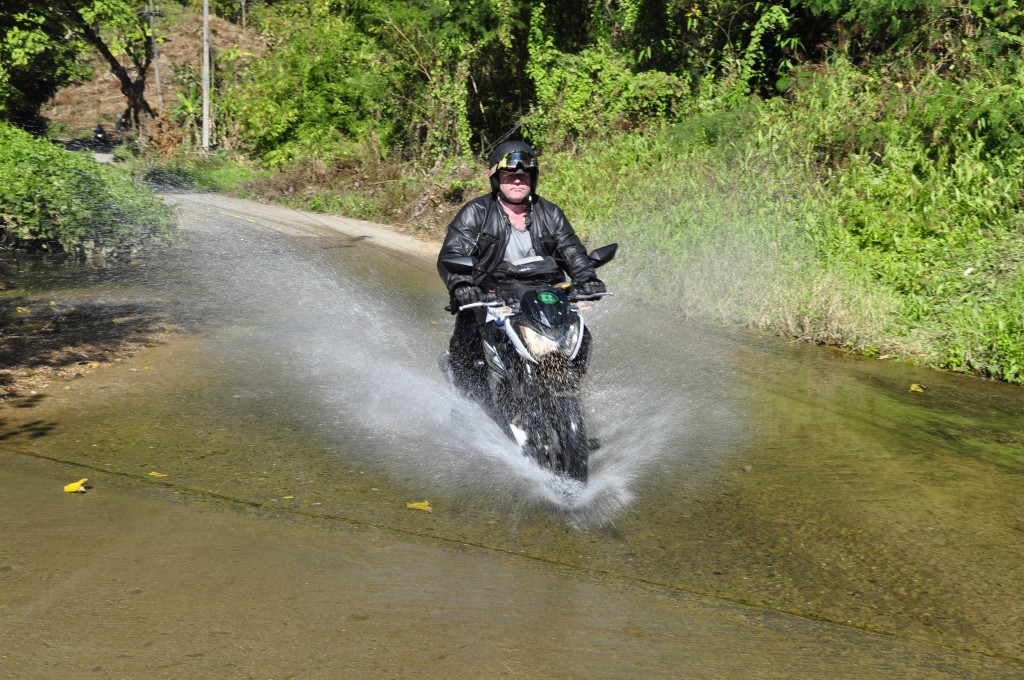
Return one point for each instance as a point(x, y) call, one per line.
point(559, 439)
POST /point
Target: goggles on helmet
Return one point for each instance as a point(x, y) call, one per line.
point(515, 161)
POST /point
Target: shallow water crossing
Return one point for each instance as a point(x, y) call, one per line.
point(759, 472)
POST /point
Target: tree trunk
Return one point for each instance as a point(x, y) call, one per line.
point(133, 90)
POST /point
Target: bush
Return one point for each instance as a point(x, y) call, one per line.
point(325, 87)
point(54, 199)
point(880, 210)
point(593, 93)
point(922, 171)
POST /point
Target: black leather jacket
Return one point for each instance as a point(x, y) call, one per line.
point(482, 230)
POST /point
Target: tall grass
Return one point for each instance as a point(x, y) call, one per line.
point(879, 212)
point(726, 235)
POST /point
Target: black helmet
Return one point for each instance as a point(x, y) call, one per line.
point(514, 157)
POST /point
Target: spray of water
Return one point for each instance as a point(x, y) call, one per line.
point(373, 354)
point(379, 362)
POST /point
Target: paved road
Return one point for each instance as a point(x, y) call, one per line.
point(135, 580)
point(130, 580)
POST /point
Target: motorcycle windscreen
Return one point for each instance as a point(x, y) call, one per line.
point(547, 306)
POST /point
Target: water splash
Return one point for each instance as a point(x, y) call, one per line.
point(367, 354)
point(379, 364)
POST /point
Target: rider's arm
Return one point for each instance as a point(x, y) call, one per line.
point(572, 254)
point(461, 239)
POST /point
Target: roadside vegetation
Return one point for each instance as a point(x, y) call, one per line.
point(57, 201)
point(848, 173)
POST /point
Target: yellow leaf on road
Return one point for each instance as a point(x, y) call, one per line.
point(422, 505)
point(917, 388)
point(157, 474)
point(76, 487)
point(21, 310)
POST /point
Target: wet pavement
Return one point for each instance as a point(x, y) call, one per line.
point(758, 509)
point(134, 580)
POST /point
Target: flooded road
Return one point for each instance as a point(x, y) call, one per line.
point(809, 492)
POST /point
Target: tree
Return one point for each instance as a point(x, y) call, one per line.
point(111, 27)
point(128, 31)
point(35, 62)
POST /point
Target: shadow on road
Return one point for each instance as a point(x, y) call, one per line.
point(43, 340)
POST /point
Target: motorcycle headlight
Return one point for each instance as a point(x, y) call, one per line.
point(538, 345)
point(572, 336)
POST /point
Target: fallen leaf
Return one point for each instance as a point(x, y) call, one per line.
point(76, 487)
point(21, 310)
point(917, 388)
point(157, 474)
point(422, 505)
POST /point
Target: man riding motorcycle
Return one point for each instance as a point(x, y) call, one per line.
point(507, 225)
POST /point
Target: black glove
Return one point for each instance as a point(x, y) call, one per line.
point(467, 294)
point(592, 287)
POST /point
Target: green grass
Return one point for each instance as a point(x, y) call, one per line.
point(193, 172)
point(842, 216)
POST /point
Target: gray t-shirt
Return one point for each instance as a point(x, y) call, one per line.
point(520, 246)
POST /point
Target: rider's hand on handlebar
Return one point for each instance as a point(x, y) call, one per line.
point(592, 287)
point(467, 294)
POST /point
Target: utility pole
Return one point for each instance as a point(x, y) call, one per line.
point(206, 75)
point(156, 59)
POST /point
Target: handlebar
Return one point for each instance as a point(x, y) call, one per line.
point(495, 302)
point(485, 303)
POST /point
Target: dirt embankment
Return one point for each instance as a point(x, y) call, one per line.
point(75, 111)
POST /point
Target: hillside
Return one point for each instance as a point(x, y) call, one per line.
point(75, 111)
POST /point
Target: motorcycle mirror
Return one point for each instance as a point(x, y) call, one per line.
point(604, 254)
point(460, 264)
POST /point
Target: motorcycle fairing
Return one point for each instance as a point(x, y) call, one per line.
point(548, 306)
point(566, 343)
point(493, 359)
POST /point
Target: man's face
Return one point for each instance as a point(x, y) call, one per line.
point(515, 186)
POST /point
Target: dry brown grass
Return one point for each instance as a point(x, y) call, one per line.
point(77, 109)
point(399, 194)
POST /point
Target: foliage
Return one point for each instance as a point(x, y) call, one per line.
point(380, 80)
point(115, 29)
point(35, 61)
point(593, 93)
point(326, 88)
point(951, 35)
point(725, 232)
point(844, 172)
point(215, 172)
point(53, 199)
point(878, 210)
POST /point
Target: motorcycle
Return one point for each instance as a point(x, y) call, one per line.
point(536, 349)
